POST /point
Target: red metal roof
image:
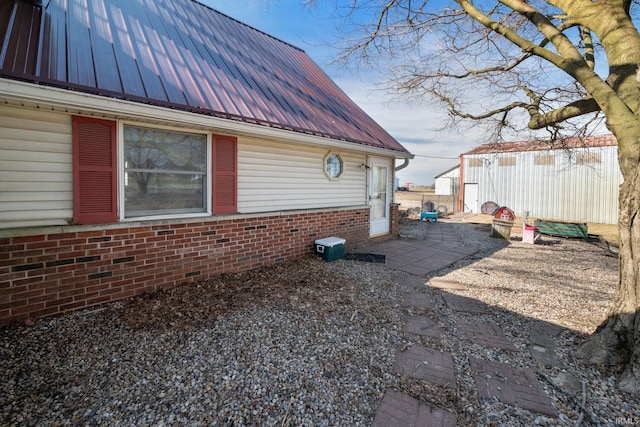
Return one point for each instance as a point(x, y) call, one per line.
point(512, 147)
point(178, 54)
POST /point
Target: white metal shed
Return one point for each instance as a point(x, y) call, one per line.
point(447, 183)
point(573, 180)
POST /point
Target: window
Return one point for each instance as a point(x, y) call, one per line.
point(162, 172)
point(165, 172)
point(475, 162)
point(333, 166)
point(544, 160)
point(507, 161)
point(588, 157)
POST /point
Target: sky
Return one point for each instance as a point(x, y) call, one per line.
point(314, 30)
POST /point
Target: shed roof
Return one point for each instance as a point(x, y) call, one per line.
point(447, 171)
point(542, 145)
point(179, 54)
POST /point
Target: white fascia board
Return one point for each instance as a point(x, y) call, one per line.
point(29, 94)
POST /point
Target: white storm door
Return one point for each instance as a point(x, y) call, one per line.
point(379, 195)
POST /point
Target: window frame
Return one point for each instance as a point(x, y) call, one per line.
point(121, 172)
point(325, 163)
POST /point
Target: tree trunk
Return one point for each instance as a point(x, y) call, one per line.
point(617, 339)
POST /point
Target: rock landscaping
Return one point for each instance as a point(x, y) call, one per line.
point(337, 343)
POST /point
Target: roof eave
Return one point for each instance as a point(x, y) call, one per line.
point(40, 96)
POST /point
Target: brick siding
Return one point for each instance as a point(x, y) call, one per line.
point(51, 274)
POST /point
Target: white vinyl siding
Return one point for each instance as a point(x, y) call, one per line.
point(276, 176)
point(563, 187)
point(35, 168)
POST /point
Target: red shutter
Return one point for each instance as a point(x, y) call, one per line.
point(225, 174)
point(94, 171)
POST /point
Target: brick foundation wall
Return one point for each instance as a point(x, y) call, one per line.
point(49, 274)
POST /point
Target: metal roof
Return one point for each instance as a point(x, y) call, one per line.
point(452, 168)
point(542, 145)
point(178, 54)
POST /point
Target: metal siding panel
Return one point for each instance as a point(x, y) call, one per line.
point(471, 174)
point(563, 191)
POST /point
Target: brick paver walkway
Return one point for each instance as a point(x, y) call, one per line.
point(422, 325)
point(416, 299)
point(426, 364)
point(485, 334)
point(460, 303)
point(398, 409)
point(493, 380)
point(511, 385)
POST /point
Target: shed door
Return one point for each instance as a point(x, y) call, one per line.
point(471, 198)
point(379, 195)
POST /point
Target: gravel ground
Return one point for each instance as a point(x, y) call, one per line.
point(311, 343)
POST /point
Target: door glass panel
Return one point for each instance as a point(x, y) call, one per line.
point(379, 191)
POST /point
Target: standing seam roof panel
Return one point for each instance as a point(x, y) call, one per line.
point(102, 39)
point(80, 65)
point(145, 61)
point(191, 88)
point(229, 78)
point(53, 61)
point(158, 41)
point(265, 100)
point(179, 54)
point(216, 80)
point(241, 74)
point(194, 61)
point(125, 54)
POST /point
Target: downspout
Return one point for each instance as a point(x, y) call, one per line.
point(393, 200)
point(402, 166)
point(396, 169)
